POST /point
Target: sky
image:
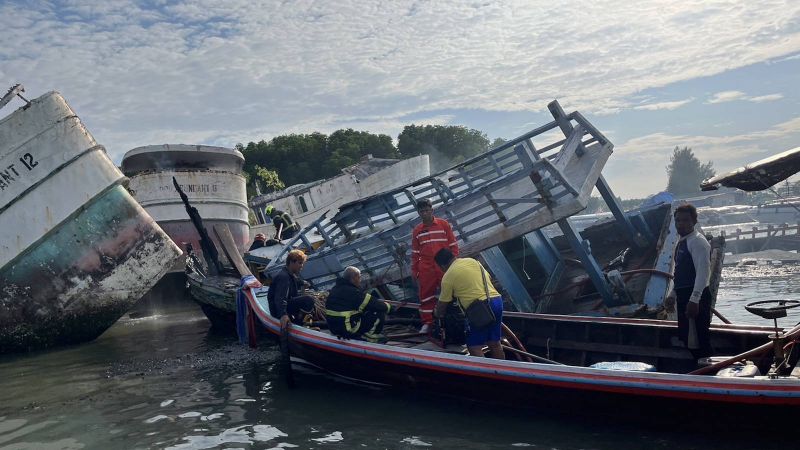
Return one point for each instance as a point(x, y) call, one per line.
point(718, 76)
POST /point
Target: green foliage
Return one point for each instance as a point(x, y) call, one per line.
point(446, 145)
point(302, 158)
point(685, 172)
point(292, 159)
point(269, 179)
point(497, 142)
point(379, 145)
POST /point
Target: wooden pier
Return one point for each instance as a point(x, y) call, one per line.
point(780, 237)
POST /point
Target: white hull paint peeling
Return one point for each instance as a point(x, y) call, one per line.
point(76, 250)
point(211, 178)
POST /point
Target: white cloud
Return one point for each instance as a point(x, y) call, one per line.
point(664, 105)
point(765, 98)
point(204, 71)
point(727, 96)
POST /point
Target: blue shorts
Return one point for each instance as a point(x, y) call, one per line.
point(491, 333)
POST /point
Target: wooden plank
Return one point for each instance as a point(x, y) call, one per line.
point(13, 92)
point(617, 349)
point(230, 250)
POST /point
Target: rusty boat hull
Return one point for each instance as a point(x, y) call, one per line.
point(76, 250)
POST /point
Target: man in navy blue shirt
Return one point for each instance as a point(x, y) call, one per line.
point(692, 273)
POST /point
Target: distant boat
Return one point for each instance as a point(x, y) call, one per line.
point(308, 202)
point(76, 250)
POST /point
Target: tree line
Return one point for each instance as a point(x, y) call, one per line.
point(302, 158)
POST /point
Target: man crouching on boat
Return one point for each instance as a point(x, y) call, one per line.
point(282, 295)
point(467, 281)
point(352, 313)
point(692, 272)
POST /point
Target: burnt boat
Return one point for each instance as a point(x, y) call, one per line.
point(76, 249)
point(211, 177)
point(216, 296)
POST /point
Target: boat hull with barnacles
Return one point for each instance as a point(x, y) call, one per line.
point(76, 250)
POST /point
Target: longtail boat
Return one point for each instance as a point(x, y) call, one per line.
point(564, 361)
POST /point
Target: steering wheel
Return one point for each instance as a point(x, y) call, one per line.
point(771, 309)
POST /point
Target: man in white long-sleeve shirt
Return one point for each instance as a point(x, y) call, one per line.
point(692, 272)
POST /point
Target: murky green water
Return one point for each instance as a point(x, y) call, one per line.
point(167, 382)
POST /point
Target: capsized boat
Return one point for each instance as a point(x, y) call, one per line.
point(309, 201)
point(538, 178)
point(76, 250)
point(758, 175)
point(512, 207)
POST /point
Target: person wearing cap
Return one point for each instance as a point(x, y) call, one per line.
point(258, 242)
point(280, 218)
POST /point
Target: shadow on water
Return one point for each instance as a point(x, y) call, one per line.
point(168, 381)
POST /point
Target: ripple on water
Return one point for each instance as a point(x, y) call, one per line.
point(336, 436)
point(244, 434)
point(742, 285)
point(413, 440)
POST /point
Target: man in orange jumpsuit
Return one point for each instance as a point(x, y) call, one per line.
point(432, 235)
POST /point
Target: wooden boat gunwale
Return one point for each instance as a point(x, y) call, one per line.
point(649, 384)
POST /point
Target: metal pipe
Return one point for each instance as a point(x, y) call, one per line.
point(733, 359)
point(515, 340)
point(721, 317)
point(531, 355)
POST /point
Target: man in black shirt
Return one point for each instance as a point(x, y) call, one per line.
point(352, 313)
point(283, 298)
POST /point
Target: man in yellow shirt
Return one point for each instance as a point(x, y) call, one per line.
point(466, 280)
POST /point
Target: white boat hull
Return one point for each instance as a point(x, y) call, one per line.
point(76, 250)
point(209, 176)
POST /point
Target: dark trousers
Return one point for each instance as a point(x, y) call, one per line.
point(702, 321)
point(289, 233)
point(298, 307)
point(370, 322)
